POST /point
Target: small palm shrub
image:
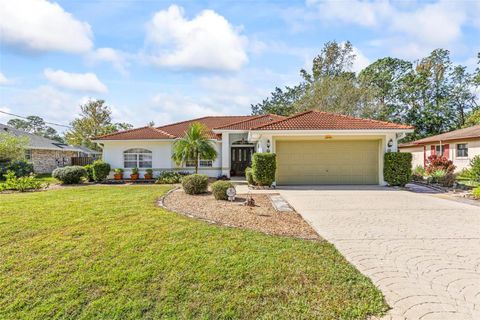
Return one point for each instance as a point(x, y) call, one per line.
point(101, 170)
point(397, 169)
point(448, 180)
point(219, 189)
point(169, 177)
point(89, 169)
point(435, 162)
point(476, 193)
point(249, 176)
point(475, 169)
point(21, 184)
point(195, 183)
point(70, 175)
point(264, 166)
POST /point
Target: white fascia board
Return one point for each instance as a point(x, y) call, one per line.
point(330, 132)
point(229, 131)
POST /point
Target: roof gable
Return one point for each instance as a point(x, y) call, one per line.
point(319, 120)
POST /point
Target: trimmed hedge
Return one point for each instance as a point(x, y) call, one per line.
point(397, 168)
point(195, 183)
point(249, 176)
point(101, 170)
point(70, 175)
point(264, 166)
point(219, 189)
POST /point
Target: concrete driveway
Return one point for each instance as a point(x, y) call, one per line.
point(423, 252)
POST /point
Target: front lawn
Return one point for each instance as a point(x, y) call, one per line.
point(106, 252)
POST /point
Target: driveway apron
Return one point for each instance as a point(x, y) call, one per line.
point(423, 252)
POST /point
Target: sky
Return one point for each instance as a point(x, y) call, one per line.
point(165, 61)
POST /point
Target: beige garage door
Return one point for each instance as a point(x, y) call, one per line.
point(327, 162)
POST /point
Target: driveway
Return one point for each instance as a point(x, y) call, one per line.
point(423, 252)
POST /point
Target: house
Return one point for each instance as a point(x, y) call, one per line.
point(460, 146)
point(312, 147)
point(46, 155)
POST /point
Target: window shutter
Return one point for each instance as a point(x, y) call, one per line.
point(446, 150)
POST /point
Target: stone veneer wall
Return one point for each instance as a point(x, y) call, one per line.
point(45, 161)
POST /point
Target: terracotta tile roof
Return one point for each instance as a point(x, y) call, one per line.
point(137, 134)
point(178, 129)
point(252, 122)
point(174, 130)
point(317, 120)
point(466, 133)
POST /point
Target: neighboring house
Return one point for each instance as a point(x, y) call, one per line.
point(46, 155)
point(460, 146)
point(312, 147)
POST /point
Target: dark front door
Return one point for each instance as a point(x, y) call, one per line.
point(241, 158)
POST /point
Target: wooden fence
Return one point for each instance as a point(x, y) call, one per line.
point(82, 161)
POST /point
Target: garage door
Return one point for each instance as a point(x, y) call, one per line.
point(327, 162)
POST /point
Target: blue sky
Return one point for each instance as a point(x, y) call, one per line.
point(167, 61)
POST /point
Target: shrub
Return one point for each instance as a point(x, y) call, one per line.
point(264, 166)
point(397, 169)
point(101, 170)
point(195, 184)
point(435, 162)
point(249, 176)
point(89, 169)
point(21, 184)
point(436, 176)
point(476, 193)
point(21, 168)
point(70, 175)
point(118, 170)
point(418, 173)
point(475, 168)
point(169, 177)
point(219, 189)
point(447, 180)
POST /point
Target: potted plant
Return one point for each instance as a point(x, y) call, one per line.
point(148, 174)
point(134, 174)
point(118, 174)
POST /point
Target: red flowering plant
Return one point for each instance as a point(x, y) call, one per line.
point(435, 163)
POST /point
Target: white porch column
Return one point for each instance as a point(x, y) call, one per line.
point(226, 154)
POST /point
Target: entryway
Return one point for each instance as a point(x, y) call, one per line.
point(241, 158)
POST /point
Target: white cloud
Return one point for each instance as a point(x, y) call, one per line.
point(75, 81)
point(361, 61)
point(38, 25)
point(3, 79)
point(208, 41)
point(116, 58)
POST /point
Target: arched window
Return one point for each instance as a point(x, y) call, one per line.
point(137, 158)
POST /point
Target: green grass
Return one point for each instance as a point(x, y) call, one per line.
point(47, 178)
point(106, 252)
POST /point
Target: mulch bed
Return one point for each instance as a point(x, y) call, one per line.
point(263, 217)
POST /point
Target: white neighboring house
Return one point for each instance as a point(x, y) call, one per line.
point(460, 146)
point(312, 147)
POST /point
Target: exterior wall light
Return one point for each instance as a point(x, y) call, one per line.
point(268, 145)
point(390, 143)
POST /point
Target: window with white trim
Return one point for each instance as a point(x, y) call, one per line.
point(462, 150)
point(201, 163)
point(137, 158)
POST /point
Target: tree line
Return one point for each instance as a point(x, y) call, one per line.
point(432, 94)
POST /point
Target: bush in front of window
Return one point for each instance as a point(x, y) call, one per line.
point(21, 168)
point(435, 162)
point(264, 166)
point(89, 169)
point(169, 177)
point(195, 183)
point(475, 168)
point(70, 174)
point(397, 168)
point(101, 170)
point(219, 189)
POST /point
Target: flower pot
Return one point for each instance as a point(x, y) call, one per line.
point(134, 176)
point(118, 176)
point(147, 176)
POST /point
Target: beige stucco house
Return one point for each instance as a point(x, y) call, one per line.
point(312, 147)
point(460, 146)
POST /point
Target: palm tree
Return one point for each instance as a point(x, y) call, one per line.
point(195, 145)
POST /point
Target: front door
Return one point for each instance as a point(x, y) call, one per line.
point(241, 158)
